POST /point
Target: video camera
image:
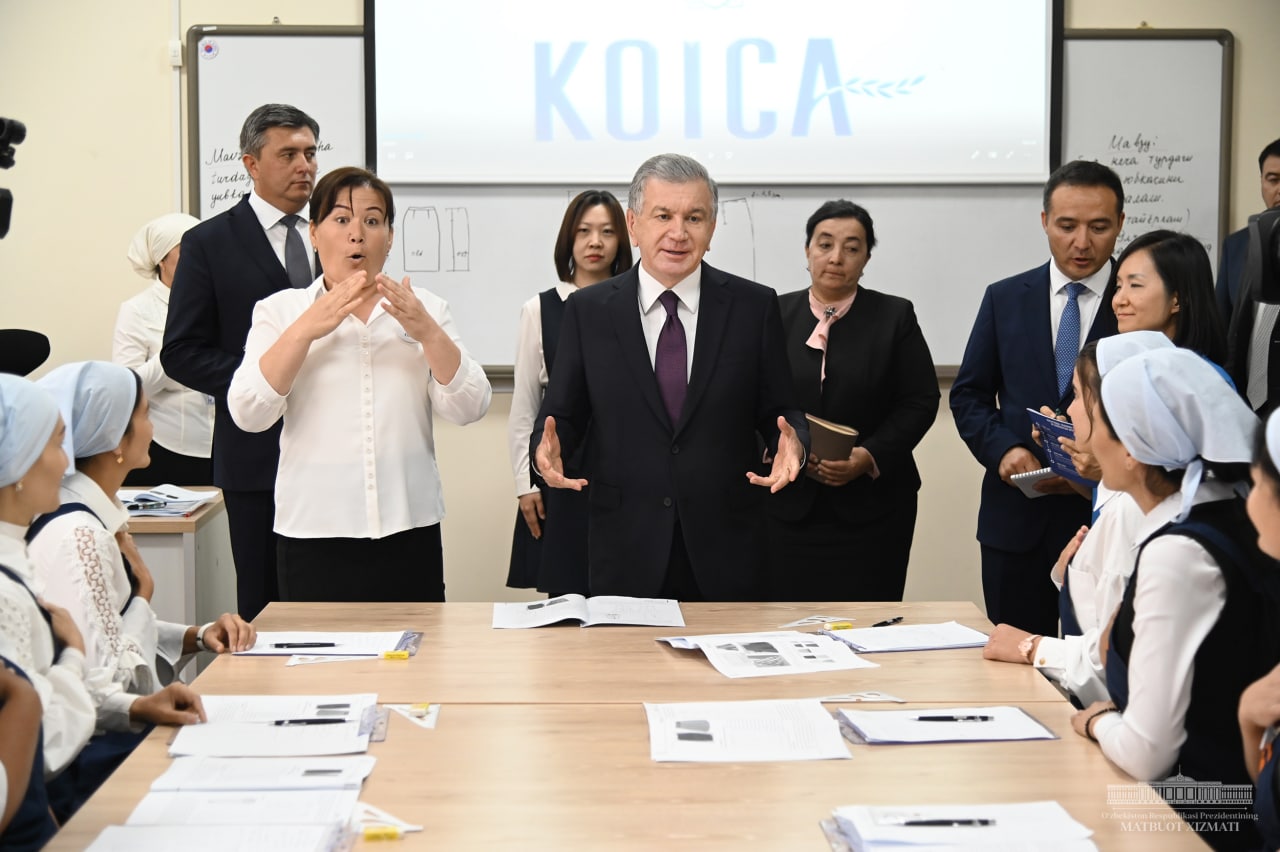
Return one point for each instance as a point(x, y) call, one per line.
point(12, 132)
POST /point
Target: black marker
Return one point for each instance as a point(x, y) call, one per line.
point(955, 718)
point(284, 723)
point(888, 621)
point(947, 823)
point(305, 645)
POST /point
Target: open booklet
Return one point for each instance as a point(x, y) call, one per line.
point(1007, 827)
point(589, 612)
point(781, 652)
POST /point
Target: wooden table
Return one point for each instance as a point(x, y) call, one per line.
point(190, 558)
point(559, 770)
point(464, 660)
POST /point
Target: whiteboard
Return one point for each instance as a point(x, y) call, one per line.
point(234, 70)
point(1155, 106)
point(487, 249)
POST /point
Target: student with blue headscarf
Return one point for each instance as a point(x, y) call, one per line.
point(88, 563)
point(40, 641)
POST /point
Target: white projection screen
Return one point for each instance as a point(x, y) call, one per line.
point(761, 91)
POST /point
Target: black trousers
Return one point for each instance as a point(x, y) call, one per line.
point(680, 583)
point(1017, 589)
point(251, 518)
point(170, 468)
point(405, 566)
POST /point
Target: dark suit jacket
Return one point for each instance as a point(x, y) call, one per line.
point(880, 380)
point(1008, 367)
point(1235, 249)
point(226, 266)
point(646, 472)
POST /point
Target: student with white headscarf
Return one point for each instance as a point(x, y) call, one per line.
point(183, 418)
point(1095, 566)
point(1189, 634)
point(40, 640)
point(1259, 712)
point(89, 564)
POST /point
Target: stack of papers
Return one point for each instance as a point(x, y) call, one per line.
point(589, 612)
point(910, 637)
point(269, 773)
point(218, 838)
point(945, 725)
point(163, 501)
point(766, 654)
point(990, 828)
point(246, 807)
point(733, 731)
point(326, 643)
point(279, 726)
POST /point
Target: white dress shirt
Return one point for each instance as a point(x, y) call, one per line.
point(1089, 300)
point(183, 418)
point(357, 455)
point(653, 316)
point(529, 386)
point(1098, 574)
point(78, 561)
point(27, 642)
point(1180, 594)
point(269, 217)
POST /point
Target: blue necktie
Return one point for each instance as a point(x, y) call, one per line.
point(1067, 346)
point(670, 361)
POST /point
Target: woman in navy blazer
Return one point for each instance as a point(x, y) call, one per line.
point(858, 357)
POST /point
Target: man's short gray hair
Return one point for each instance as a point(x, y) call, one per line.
point(670, 168)
point(253, 135)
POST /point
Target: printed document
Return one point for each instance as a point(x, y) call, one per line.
point(733, 731)
point(781, 652)
point(589, 612)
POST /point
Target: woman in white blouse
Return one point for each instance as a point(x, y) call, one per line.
point(1190, 632)
point(549, 547)
point(43, 642)
point(182, 418)
point(87, 561)
point(357, 364)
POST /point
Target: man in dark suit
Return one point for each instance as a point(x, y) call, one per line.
point(1018, 358)
point(1235, 247)
point(672, 513)
point(226, 265)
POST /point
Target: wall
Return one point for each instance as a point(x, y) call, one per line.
point(93, 84)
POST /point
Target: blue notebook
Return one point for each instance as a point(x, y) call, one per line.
point(1059, 459)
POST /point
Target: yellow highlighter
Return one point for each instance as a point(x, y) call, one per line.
point(395, 655)
point(838, 625)
point(382, 832)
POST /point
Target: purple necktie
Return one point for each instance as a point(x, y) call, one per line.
point(671, 359)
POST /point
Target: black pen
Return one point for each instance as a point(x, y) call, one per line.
point(888, 621)
point(946, 823)
point(955, 718)
point(305, 645)
point(289, 722)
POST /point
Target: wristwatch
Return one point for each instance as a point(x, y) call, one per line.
point(1027, 647)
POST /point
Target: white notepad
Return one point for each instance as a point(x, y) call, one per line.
point(910, 637)
point(1008, 827)
point(944, 725)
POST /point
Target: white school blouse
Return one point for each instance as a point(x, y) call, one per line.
point(183, 418)
point(79, 563)
point(1098, 574)
point(26, 640)
point(530, 385)
point(1180, 594)
point(357, 454)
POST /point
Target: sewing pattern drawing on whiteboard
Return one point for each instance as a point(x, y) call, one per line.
point(459, 239)
point(426, 242)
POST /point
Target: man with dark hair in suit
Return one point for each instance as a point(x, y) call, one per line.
point(676, 370)
point(1020, 355)
point(227, 264)
point(1235, 248)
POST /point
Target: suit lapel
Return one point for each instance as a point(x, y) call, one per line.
point(1034, 311)
point(624, 312)
point(252, 240)
point(713, 316)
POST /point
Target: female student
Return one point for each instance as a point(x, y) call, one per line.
point(1184, 642)
point(549, 546)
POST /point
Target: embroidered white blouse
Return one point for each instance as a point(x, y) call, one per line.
point(79, 563)
point(27, 641)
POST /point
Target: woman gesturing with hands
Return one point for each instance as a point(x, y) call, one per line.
point(356, 364)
